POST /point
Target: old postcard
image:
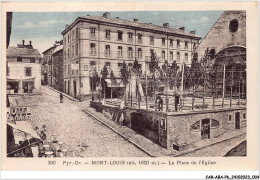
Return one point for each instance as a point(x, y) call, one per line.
point(129, 86)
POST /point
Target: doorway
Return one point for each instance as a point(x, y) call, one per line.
point(25, 88)
point(237, 120)
point(75, 88)
point(205, 128)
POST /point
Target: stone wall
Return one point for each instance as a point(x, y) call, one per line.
point(180, 131)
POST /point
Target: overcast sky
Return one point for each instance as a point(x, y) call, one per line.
point(43, 29)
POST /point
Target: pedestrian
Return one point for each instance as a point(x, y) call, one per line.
point(176, 101)
point(61, 98)
point(160, 103)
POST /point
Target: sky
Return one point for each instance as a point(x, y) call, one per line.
point(44, 28)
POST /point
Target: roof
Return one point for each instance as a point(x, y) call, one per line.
point(123, 22)
point(14, 52)
point(57, 48)
point(48, 49)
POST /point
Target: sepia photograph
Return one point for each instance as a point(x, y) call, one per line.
point(126, 84)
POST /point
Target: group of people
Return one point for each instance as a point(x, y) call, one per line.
point(160, 102)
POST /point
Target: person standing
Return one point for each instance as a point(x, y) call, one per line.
point(160, 103)
point(177, 101)
point(61, 98)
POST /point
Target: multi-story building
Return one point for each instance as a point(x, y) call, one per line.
point(48, 59)
point(24, 69)
point(92, 42)
point(57, 57)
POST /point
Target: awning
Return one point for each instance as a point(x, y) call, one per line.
point(19, 78)
point(25, 127)
point(117, 84)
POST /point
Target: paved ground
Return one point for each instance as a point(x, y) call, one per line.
point(83, 134)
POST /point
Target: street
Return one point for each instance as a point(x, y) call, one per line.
point(83, 134)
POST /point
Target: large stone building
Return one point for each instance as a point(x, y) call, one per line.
point(229, 32)
point(24, 69)
point(48, 62)
point(92, 42)
point(47, 57)
point(57, 57)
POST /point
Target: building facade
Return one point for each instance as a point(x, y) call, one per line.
point(57, 57)
point(24, 69)
point(47, 57)
point(93, 42)
point(228, 32)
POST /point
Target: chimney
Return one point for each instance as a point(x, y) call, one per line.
point(182, 28)
point(106, 15)
point(166, 25)
point(30, 43)
point(136, 20)
point(193, 32)
point(66, 26)
point(23, 42)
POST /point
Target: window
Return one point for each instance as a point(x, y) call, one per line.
point(139, 53)
point(163, 41)
point(130, 37)
point(163, 54)
point(28, 71)
point(230, 117)
point(120, 65)
point(73, 35)
point(119, 35)
point(85, 67)
point(92, 32)
point(214, 123)
point(186, 57)
point(108, 66)
point(77, 49)
point(194, 45)
point(162, 124)
point(108, 34)
point(65, 70)
point(212, 53)
point(130, 64)
point(151, 40)
point(171, 42)
point(139, 37)
point(107, 53)
point(195, 126)
point(178, 43)
point(32, 60)
point(68, 38)
point(92, 48)
point(72, 51)
point(77, 33)
point(244, 116)
point(178, 56)
point(186, 44)
point(68, 69)
point(92, 65)
point(171, 55)
point(233, 25)
point(64, 41)
point(19, 59)
point(8, 71)
point(119, 52)
point(68, 53)
point(64, 53)
point(130, 52)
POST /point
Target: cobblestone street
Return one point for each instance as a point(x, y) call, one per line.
point(86, 136)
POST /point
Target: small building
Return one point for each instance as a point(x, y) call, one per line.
point(57, 57)
point(24, 69)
